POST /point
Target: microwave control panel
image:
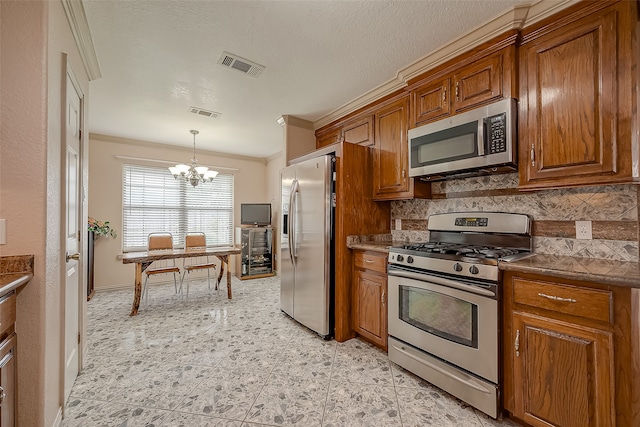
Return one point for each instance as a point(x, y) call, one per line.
point(496, 133)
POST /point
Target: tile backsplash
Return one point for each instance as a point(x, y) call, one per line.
point(615, 204)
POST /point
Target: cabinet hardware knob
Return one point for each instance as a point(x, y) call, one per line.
point(517, 343)
point(457, 91)
point(555, 298)
point(533, 155)
point(444, 94)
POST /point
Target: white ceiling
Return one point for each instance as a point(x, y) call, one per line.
point(158, 58)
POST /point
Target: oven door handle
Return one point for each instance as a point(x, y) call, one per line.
point(467, 381)
point(440, 281)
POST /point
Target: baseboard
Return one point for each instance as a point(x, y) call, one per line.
point(58, 421)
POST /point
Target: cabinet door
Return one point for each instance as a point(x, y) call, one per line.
point(477, 83)
point(430, 101)
point(370, 308)
point(359, 131)
point(8, 382)
point(563, 373)
point(391, 158)
point(569, 104)
point(328, 137)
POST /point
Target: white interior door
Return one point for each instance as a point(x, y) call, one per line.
point(72, 240)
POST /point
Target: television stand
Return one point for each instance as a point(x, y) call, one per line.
point(256, 256)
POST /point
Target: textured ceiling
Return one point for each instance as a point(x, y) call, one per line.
point(158, 58)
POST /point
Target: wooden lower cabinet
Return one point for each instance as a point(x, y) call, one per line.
point(570, 352)
point(370, 297)
point(8, 381)
point(563, 373)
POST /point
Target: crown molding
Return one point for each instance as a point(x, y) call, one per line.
point(517, 17)
point(77, 18)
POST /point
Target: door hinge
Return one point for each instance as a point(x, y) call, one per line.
point(78, 338)
point(80, 134)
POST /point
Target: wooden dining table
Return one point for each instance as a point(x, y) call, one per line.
point(144, 260)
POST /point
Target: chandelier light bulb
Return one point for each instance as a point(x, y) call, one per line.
point(193, 174)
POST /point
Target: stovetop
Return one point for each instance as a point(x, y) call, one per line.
point(467, 244)
point(458, 249)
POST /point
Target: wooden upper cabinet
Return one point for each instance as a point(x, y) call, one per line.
point(431, 101)
point(391, 157)
point(359, 131)
point(477, 84)
point(575, 99)
point(477, 78)
point(328, 137)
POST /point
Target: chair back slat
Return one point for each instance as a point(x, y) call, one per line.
point(159, 241)
point(195, 240)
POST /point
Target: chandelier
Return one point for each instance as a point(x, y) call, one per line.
point(193, 174)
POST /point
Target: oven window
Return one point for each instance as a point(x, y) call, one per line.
point(442, 315)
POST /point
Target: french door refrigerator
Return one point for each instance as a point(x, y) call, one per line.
point(307, 243)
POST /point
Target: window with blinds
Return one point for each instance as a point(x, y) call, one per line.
point(152, 200)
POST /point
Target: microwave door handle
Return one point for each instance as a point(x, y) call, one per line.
point(482, 130)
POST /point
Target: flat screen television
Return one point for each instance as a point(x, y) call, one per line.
point(255, 214)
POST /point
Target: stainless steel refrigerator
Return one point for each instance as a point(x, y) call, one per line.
point(306, 243)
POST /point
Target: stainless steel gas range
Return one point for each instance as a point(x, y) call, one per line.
point(444, 302)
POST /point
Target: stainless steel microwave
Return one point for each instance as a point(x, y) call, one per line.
point(481, 138)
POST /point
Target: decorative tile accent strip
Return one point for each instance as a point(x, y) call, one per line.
point(613, 209)
point(16, 264)
point(601, 230)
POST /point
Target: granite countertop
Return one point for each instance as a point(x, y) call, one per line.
point(380, 246)
point(15, 271)
point(603, 271)
point(9, 282)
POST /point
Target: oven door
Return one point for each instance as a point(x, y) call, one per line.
point(450, 319)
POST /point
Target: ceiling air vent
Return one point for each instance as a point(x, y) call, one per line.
point(204, 113)
point(250, 68)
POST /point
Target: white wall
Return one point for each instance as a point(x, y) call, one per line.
point(105, 193)
point(34, 36)
point(275, 164)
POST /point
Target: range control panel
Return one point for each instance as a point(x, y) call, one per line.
point(472, 222)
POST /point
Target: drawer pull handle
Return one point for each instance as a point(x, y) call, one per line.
point(369, 261)
point(2, 395)
point(382, 298)
point(555, 298)
point(444, 94)
point(517, 343)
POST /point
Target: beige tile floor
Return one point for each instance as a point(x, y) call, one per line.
point(209, 361)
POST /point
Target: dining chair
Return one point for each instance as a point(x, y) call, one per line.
point(160, 242)
point(195, 241)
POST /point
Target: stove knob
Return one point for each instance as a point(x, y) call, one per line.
point(410, 259)
point(400, 258)
point(457, 267)
point(474, 269)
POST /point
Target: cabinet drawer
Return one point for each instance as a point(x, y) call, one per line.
point(371, 262)
point(7, 312)
point(583, 302)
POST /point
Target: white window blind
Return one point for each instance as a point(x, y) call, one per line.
point(153, 200)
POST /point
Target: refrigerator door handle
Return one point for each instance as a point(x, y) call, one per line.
point(293, 253)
